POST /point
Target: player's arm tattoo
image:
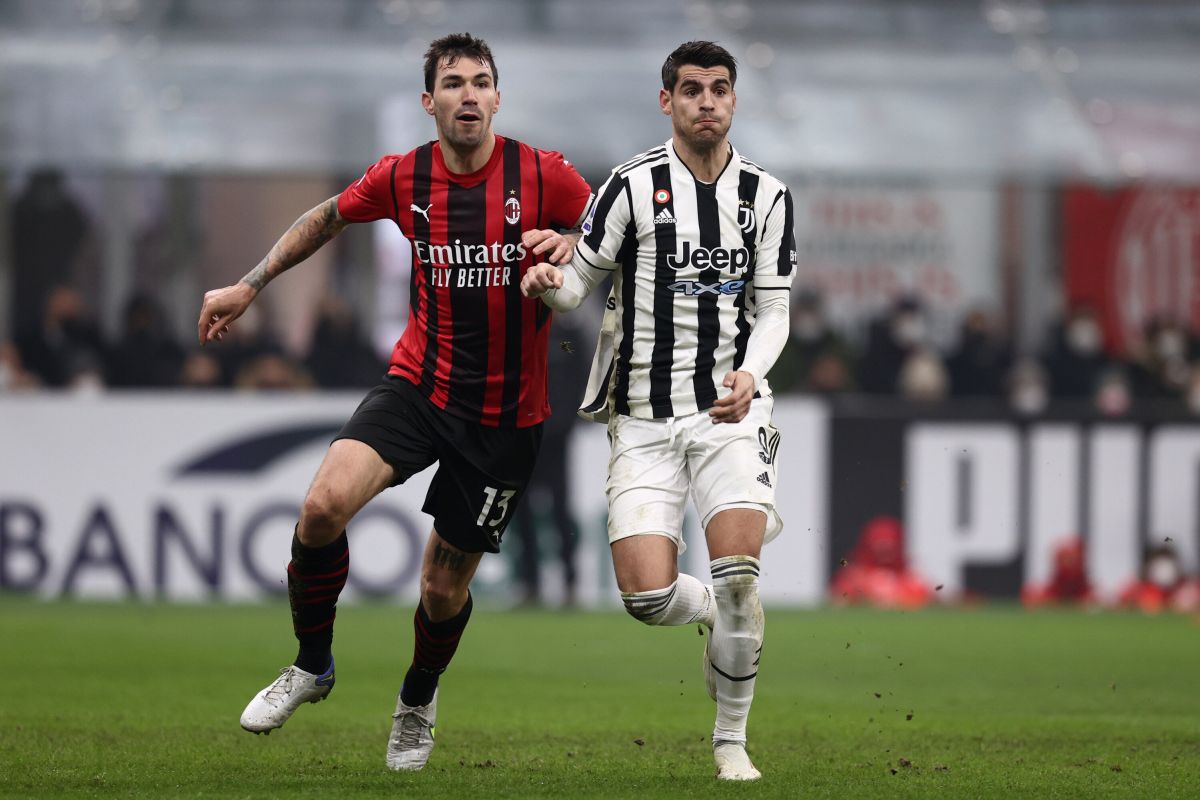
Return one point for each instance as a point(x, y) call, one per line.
point(445, 557)
point(305, 237)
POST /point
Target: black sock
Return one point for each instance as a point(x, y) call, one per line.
point(316, 577)
point(433, 646)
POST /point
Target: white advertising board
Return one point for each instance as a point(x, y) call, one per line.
point(194, 497)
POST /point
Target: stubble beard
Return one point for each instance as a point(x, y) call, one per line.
point(702, 143)
point(463, 141)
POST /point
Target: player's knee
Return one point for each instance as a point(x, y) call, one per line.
point(441, 598)
point(321, 513)
point(649, 606)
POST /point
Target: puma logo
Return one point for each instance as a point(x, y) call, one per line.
point(424, 212)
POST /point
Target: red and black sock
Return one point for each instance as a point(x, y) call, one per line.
point(433, 647)
point(316, 576)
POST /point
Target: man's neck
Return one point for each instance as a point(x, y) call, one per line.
point(706, 165)
point(464, 162)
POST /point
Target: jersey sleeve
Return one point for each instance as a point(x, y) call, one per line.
point(567, 193)
point(776, 258)
point(607, 226)
point(371, 197)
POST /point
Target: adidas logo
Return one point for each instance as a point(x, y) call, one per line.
point(664, 218)
point(765, 480)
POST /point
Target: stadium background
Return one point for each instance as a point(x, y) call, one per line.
point(1002, 162)
point(998, 208)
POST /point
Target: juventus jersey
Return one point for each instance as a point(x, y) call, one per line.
point(689, 260)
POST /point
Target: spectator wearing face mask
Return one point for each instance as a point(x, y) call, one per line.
point(816, 358)
point(1114, 392)
point(980, 362)
point(1162, 370)
point(1028, 388)
point(1076, 358)
point(890, 341)
point(1163, 585)
point(923, 377)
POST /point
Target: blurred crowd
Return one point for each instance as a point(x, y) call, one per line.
point(897, 358)
point(64, 347)
point(67, 350)
point(56, 341)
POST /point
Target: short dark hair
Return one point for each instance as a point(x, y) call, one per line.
point(454, 47)
point(698, 54)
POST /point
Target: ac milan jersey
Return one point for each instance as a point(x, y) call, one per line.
point(473, 345)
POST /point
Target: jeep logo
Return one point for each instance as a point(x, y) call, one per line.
point(710, 258)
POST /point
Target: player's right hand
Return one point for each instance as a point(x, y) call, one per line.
point(550, 246)
point(540, 278)
point(221, 307)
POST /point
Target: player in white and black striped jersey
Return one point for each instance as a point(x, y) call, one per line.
point(699, 243)
point(701, 258)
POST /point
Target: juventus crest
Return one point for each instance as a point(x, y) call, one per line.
point(746, 215)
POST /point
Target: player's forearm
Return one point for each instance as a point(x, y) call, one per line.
point(307, 234)
point(579, 279)
point(768, 336)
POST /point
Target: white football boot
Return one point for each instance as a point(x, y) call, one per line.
point(733, 764)
point(294, 687)
point(411, 740)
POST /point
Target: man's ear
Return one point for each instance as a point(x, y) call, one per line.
point(427, 102)
point(664, 101)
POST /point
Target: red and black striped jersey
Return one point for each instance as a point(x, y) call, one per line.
point(473, 345)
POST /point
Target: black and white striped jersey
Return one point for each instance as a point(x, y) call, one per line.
point(689, 261)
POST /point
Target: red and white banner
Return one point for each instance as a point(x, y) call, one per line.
point(1133, 254)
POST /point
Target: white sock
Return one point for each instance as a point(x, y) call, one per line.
point(736, 643)
point(685, 601)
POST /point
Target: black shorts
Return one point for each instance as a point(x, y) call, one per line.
point(482, 471)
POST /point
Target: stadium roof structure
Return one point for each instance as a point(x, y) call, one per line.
point(1103, 90)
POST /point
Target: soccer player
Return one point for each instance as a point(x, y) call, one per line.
point(466, 386)
point(699, 244)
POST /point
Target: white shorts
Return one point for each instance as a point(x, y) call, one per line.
point(654, 463)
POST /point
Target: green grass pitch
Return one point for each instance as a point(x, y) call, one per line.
point(107, 700)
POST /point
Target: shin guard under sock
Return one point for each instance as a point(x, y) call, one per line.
point(736, 643)
point(434, 644)
point(316, 576)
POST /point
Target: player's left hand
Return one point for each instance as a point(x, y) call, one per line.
point(734, 406)
point(550, 246)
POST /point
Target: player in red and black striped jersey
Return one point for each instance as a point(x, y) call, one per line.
point(473, 346)
point(466, 386)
